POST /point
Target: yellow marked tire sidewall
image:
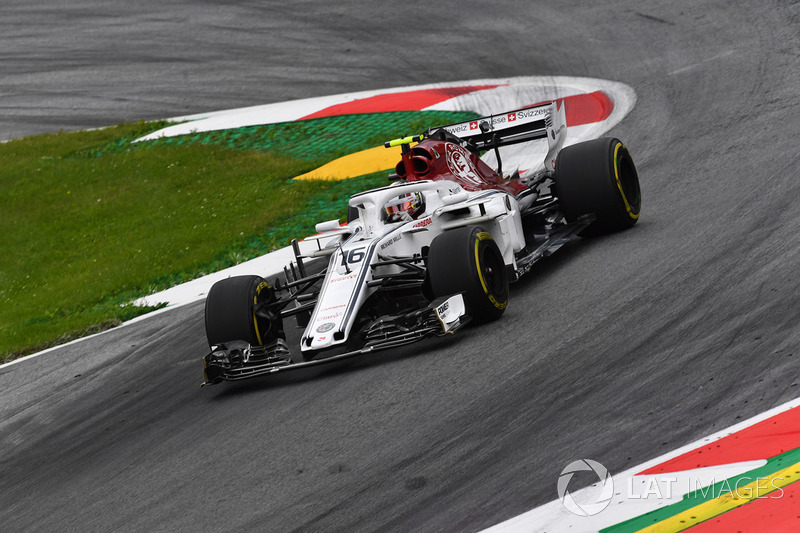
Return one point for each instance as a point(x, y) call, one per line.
point(628, 208)
point(485, 236)
point(261, 286)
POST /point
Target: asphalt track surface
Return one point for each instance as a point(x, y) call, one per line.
point(616, 349)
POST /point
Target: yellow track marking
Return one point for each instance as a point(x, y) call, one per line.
point(728, 501)
point(357, 164)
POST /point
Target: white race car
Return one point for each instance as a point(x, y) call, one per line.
point(427, 254)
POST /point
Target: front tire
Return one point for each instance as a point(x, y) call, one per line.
point(230, 312)
point(599, 177)
point(468, 260)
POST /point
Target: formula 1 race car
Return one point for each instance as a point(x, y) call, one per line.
point(429, 253)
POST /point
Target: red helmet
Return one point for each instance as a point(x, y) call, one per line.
point(407, 206)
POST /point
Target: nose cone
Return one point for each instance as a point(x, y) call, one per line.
point(322, 340)
point(343, 289)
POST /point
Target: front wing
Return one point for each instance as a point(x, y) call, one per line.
point(238, 360)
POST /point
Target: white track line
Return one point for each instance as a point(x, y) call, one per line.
point(511, 93)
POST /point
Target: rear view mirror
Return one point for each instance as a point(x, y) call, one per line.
point(329, 225)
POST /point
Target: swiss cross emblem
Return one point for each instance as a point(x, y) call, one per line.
point(512, 117)
point(473, 125)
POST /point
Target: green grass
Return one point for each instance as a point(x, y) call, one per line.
point(91, 221)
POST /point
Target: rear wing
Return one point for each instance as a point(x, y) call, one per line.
point(512, 127)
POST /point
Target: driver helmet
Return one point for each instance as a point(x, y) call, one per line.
point(405, 207)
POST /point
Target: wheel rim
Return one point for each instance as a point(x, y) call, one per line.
point(492, 269)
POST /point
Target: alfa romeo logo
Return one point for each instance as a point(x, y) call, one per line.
point(586, 509)
point(460, 165)
point(327, 326)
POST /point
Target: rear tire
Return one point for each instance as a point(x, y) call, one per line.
point(468, 260)
point(230, 312)
point(599, 177)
